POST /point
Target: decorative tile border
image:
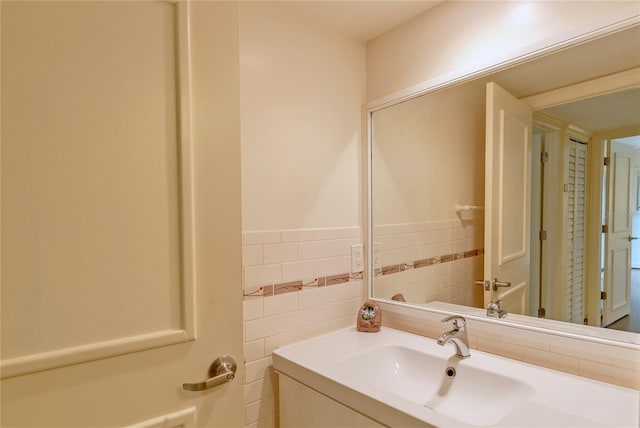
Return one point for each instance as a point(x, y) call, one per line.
point(293, 286)
point(417, 264)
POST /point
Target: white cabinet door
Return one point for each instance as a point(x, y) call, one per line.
point(120, 207)
point(507, 199)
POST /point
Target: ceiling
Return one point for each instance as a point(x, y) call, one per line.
point(362, 19)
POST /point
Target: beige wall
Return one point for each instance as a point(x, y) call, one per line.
point(302, 91)
point(427, 155)
point(458, 34)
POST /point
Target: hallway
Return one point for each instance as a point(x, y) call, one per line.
point(631, 322)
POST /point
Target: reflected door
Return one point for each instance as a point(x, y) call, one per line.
point(617, 240)
point(507, 200)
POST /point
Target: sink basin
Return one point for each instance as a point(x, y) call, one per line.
point(449, 386)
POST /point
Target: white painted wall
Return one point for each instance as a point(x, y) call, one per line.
point(302, 91)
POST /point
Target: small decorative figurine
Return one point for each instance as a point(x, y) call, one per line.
point(369, 317)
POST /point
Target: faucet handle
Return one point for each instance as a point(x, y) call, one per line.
point(458, 321)
point(494, 305)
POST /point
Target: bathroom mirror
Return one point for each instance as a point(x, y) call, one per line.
point(427, 186)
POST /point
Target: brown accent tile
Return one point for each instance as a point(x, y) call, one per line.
point(470, 253)
point(422, 263)
point(337, 279)
point(267, 290)
point(387, 270)
point(446, 258)
point(287, 287)
point(322, 281)
point(458, 256)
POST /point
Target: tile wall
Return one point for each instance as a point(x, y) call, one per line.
point(616, 364)
point(430, 261)
point(297, 284)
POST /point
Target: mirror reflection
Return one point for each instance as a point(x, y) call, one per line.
point(445, 229)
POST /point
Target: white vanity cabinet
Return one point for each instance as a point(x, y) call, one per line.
point(301, 406)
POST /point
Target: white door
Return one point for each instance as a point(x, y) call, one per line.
point(121, 267)
point(507, 200)
point(635, 224)
point(617, 240)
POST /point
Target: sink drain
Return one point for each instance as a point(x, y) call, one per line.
point(450, 372)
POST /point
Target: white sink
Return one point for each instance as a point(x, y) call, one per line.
point(449, 386)
point(399, 379)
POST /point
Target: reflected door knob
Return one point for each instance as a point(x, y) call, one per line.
point(632, 238)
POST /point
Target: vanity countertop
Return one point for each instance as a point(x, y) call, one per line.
point(364, 371)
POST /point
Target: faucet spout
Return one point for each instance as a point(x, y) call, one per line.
point(457, 336)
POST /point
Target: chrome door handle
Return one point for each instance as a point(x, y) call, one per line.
point(631, 238)
point(222, 370)
point(497, 284)
point(485, 284)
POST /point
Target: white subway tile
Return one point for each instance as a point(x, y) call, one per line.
point(274, 342)
point(501, 348)
point(261, 390)
point(262, 327)
point(352, 232)
point(299, 319)
point(281, 303)
point(313, 250)
point(552, 360)
point(325, 234)
point(627, 358)
point(295, 271)
point(346, 291)
point(530, 339)
point(278, 253)
point(297, 235)
point(332, 266)
point(254, 350)
point(342, 309)
point(252, 255)
point(252, 308)
point(262, 275)
point(340, 323)
point(311, 297)
point(257, 370)
point(584, 350)
point(252, 413)
point(612, 374)
point(261, 237)
point(253, 391)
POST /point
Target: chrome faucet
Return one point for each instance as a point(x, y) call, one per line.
point(457, 336)
point(494, 311)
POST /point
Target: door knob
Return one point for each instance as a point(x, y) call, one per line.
point(222, 370)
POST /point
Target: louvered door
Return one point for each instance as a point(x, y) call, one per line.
point(574, 231)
